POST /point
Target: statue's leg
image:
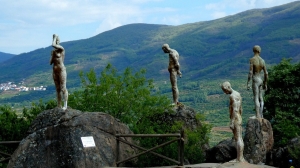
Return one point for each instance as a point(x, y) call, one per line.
point(64, 89)
point(261, 101)
point(173, 80)
point(58, 90)
point(65, 94)
point(256, 101)
point(65, 97)
point(234, 134)
point(239, 143)
point(255, 86)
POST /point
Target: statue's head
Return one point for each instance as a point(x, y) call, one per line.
point(256, 49)
point(226, 87)
point(166, 48)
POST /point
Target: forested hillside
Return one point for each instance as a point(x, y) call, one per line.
point(210, 52)
point(210, 49)
point(5, 56)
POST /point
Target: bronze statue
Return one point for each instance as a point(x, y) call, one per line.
point(59, 71)
point(174, 69)
point(257, 64)
point(235, 112)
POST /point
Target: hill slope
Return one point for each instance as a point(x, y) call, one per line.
point(5, 56)
point(211, 52)
point(208, 49)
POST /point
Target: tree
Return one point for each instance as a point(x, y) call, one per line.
point(132, 99)
point(125, 96)
point(14, 127)
point(282, 101)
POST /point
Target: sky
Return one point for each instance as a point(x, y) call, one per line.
point(27, 25)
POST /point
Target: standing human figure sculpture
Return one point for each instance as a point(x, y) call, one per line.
point(59, 72)
point(235, 112)
point(174, 70)
point(257, 64)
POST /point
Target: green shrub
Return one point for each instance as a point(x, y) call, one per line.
point(14, 127)
point(282, 101)
point(132, 99)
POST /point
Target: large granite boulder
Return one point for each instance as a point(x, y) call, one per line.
point(258, 140)
point(281, 157)
point(184, 114)
point(55, 141)
point(187, 116)
point(224, 151)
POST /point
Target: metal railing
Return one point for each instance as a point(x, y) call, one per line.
point(6, 155)
point(178, 137)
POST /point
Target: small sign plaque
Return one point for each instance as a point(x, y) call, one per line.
point(88, 141)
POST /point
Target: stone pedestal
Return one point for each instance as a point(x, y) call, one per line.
point(258, 140)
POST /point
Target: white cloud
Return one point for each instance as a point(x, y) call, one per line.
point(268, 1)
point(228, 7)
point(48, 16)
point(214, 6)
point(144, 1)
point(115, 17)
point(217, 15)
point(31, 23)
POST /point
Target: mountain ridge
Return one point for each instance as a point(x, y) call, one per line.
point(5, 56)
point(216, 49)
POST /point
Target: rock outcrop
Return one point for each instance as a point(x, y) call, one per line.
point(224, 151)
point(188, 117)
point(55, 141)
point(280, 157)
point(258, 140)
point(185, 114)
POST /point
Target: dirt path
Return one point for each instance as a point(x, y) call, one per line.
point(222, 128)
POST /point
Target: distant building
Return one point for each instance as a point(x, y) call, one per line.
point(12, 86)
